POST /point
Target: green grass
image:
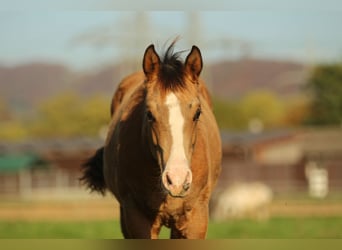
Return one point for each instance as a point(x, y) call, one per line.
point(327, 227)
point(59, 230)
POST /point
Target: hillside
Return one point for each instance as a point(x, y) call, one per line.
point(30, 83)
point(26, 85)
point(232, 79)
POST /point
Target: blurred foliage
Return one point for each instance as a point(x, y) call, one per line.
point(64, 116)
point(228, 114)
point(323, 107)
point(13, 130)
point(10, 128)
point(264, 106)
point(68, 115)
point(297, 110)
point(325, 87)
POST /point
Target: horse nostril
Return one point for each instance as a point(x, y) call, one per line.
point(186, 186)
point(168, 179)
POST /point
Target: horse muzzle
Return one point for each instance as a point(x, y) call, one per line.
point(177, 181)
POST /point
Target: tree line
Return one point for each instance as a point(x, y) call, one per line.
point(68, 115)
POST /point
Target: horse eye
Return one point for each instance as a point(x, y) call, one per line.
point(197, 114)
point(150, 117)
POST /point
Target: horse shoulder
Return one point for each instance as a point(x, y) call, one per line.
point(122, 103)
point(125, 88)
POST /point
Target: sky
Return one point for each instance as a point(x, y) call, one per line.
point(85, 39)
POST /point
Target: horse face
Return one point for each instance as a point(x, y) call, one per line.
point(171, 118)
point(171, 128)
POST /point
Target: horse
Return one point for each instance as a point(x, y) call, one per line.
point(162, 155)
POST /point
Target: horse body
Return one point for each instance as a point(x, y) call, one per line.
point(162, 155)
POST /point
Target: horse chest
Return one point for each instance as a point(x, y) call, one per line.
point(174, 208)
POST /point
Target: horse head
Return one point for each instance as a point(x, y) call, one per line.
point(172, 114)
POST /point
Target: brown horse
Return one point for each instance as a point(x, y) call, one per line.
point(162, 155)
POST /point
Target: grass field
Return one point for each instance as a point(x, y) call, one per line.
point(290, 228)
point(98, 219)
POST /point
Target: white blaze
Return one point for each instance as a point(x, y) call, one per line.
point(177, 159)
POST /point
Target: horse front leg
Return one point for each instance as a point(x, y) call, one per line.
point(135, 225)
point(194, 225)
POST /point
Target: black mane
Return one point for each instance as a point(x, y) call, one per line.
point(171, 72)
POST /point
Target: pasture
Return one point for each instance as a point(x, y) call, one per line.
point(98, 219)
point(275, 228)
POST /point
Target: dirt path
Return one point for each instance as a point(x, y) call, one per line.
point(107, 209)
point(305, 209)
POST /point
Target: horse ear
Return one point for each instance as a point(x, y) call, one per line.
point(194, 63)
point(151, 62)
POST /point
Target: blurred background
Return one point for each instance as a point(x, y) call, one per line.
point(276, 81)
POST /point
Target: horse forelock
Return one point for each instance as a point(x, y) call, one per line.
point(171, 72)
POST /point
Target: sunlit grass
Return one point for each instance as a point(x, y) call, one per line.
point(322, 227)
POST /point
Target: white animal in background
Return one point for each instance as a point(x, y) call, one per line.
point(243, 200)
